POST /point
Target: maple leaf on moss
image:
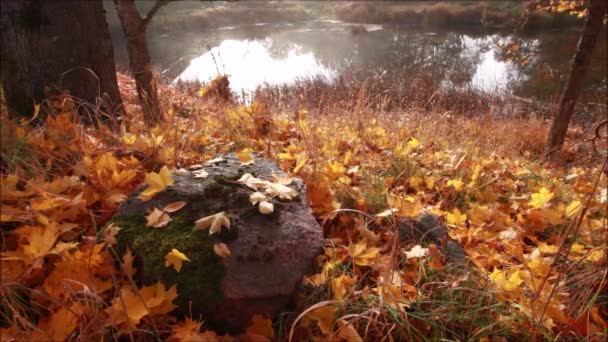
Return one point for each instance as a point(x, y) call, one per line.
point(157, 219)
point(157, 182)
point(213, 222)
point(175, 258)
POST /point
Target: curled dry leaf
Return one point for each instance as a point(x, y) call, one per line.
point(158, 219)
point(282, 179)
point(175, 206)
point(221, 250)
point(201, 174)
point(109, 234)
point(266, 207)
point(417, 252)
point(215, 161)
point(257, 197)
point(280, 190)
point(252, 182)
point(127, 263)
point(213, 222)
point(182, 172)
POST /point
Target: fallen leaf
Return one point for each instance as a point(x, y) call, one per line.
point(280, 190)
point(157, 182)
point(215, 160)
point(213, 222)
point(542, 197)
point(251, 182)
point(175, 206)
point(175, 258)
point(260, 327)
point(157, 219)
point(221, 250)
point(347, 331)
point(131, 306)
point(456, 217)
point(200, 174)
point(245, 157)
point(109, 234)
point(266, 207)
point(257, 197)
point(189, 330)
point(417, 252)
point(127, 263)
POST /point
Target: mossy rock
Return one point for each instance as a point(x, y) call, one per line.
point(270, 253)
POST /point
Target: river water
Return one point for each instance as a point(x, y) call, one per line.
point(276, 54)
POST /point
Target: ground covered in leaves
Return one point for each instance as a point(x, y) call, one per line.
point(534, 233)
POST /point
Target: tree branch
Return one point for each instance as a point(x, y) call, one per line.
point(152, 12)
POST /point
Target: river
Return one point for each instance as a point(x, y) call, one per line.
point(532, 66)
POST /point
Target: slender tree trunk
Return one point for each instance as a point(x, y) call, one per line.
point(574, 83)
point(134, 27)
point(53, 46)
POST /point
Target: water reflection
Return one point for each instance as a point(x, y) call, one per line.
point(251, 63)
point(281, 53)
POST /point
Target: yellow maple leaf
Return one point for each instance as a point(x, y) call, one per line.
point(131, 307)
point(456, 183)
point(325, 317)
point(456, 217)
point(58, 326)
point(361, 254)
point(245, 156)
point(157, 182)
point(341, 285)
point(189, 330)
point(573, 208)
point(542, 197)
point(499, 278)
point(175, 258)
point(213, 222)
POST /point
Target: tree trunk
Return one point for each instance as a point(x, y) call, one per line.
point(574, 83)
point(51, 46)
point(134, 27)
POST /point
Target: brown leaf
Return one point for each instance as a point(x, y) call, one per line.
point(175, 206)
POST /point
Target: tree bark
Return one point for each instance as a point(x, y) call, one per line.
point(53, 46)
point(574, 83)
point(134, 27)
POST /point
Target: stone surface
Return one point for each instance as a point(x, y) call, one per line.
point(270, 253)
point(428, 228)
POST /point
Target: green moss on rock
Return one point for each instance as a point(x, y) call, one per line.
point(199, 279)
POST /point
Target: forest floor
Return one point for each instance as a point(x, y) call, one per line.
point(534, 232)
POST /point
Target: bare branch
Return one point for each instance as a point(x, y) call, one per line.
point(152, 12)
